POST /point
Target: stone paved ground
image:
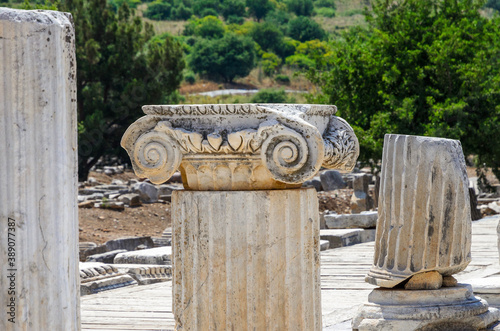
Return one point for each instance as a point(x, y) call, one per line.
point(149, 307)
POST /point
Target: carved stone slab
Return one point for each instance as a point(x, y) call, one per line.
point(241, 146)
point(424, 221)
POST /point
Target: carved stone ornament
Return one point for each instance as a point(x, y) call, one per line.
point(240, 146)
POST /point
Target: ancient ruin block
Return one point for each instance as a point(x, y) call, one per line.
point(424, 212)
point(246, 260)
point(239, 147)
point(38, 177)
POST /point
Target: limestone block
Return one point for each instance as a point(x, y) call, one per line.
point(239, 147)
point(364, 220)
point(106, 257)
point(38, 177)
point(246, 260)
point(430, 280)
point(159, 256)
point(347, 237)
point(147, 192)
point(424, 212)
point(361, 200)
point(448, 308)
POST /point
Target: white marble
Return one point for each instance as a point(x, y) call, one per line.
point(424, 221)
point(38, 181)
point(246, 260)
point(239, 147)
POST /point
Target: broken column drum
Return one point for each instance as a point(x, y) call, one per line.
point(245, 235)
point(424, 214)
point(39, 283)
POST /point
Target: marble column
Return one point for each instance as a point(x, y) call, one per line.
point(39, 286)
point(423, 238)
point(245, 235)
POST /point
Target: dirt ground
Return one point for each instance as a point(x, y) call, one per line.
point(100, 225)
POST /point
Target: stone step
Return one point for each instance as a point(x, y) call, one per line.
point(146, 274)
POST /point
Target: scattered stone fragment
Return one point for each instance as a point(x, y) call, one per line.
point(86, 204)
point(430, 280)
point(364, 220)
point(360, 200)
point(129, 243)
point(324, 245)
point(117, 182)
point(159, 255)
point(449, 281)
point(332, 180)
point(115, 205)
point(131, 199)
point(347, 237)
point(98, 277)
point(148, 192)
point(106, 257)
point(315, 182)
point(146, 274)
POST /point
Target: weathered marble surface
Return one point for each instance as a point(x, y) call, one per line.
point(38, 177)
point(424, 221)
point(239, 147)
point(246, 260)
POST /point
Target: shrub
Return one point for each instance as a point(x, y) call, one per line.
point(270, 63)
point(283, 79)
point(158, 11)
point(270, 96)
point(300, 7)
point(326, 12)
point(190, 77)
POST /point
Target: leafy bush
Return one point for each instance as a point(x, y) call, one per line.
point(283, 79)
point(300, 7)
point(270, 63)
point(326, 12)
point(303, 29)
point(299, 61)
point(270, 96)
point(233, 8)
point(190, 77)
point(268, 36)
point(181, 12)
point(235, 20)
point(199, 6)
point(325, 4)
point(206, 27)
point(209, 12)
point(227, 58)
point(259, 8)
point(158, 10)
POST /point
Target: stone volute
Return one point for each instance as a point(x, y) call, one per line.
point(245, 235)
point(239, 147)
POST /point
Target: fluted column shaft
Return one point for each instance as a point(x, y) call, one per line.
point(38, 178)
point(246, 260)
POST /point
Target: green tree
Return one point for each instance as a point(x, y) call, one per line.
point(158, 10)
point(423, 67)
point(267, 35)
point(119, 69)
point(199, 6)
point(259, 8)
point(226, 58)
point(303, 29)
point(270, 63)
point(233, 8)
point(300, 7)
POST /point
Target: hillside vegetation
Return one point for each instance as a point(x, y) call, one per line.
point(425, 67)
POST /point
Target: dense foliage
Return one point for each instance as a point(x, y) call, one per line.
point(120, 68)
point(422, 67)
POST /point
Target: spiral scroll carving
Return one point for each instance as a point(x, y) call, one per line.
point(287, 154)
point(156, 156)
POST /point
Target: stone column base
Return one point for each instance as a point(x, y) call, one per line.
point(246, 260)
point(448, 308)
